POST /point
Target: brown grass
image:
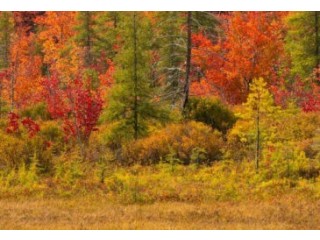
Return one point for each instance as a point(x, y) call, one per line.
point(287, 212)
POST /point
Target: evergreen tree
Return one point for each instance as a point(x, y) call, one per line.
point(206, 23)
point(172, 50)
point(174, 42)
point(86, 36)
point(303, 42)
point(6, 30)
point(195, 22)
point(106, 31)
point(131, 99)
point(96, 37)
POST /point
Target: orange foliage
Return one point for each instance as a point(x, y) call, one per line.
point(26, 71)
point(56, 32)
point(252, 47)
point(23, 81)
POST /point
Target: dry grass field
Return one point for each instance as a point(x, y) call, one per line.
point(286, 212)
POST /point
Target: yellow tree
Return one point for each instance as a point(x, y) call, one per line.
point(259, 106)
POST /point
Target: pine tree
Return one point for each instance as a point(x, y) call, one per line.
point(195, 22)
point(106, 33)
point(86, 36)
point(175, 31)
point(303, 42)
point(172, 50)
point(96, 38)
point(6, 29)
point(131, 100)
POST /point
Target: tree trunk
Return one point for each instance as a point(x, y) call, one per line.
point(88, 40)
point(316, 23)
point(135, 78)
point(0, 98)
point(257, 155)
point(12, 84)
point(188, 63)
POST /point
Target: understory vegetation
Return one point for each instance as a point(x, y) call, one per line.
point(186, 160)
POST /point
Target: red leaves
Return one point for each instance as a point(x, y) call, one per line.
point(86, 107)
point(307, 96)
point(13, 125)
point(55, 98)
point(78, 106)
point(32, 127)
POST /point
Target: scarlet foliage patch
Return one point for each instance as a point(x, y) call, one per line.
point(13, 124)
point(32, 127)
point(14, 121)
point(306, 95)
point(86, 107)
point(55, 97)
point(78, 106)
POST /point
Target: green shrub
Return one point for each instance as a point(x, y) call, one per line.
point(211, 112)
point(69, 168)
point(13, 151)
point(52, 134)
point(37, 111)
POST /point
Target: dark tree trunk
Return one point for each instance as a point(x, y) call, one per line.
point(316, 18)
point(135, 78)
point(88, 43)
point(188, 63)
point(257, 154)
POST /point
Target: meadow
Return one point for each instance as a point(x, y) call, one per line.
point(92, 212)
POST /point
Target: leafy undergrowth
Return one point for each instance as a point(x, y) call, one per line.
point(223, 181)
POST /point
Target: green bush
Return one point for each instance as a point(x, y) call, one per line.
point(13, 151)
point(51, 133)
point(211, 112)
point(37, 111)
point(69, 168)
point(18, 149)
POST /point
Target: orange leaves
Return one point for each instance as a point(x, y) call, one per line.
point(254, 44)
point(252, 47)
point(24, 81)
point(56, 31)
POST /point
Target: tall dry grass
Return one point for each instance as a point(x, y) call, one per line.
point(92, 212)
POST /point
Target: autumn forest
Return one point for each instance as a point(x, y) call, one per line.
point(159, 120)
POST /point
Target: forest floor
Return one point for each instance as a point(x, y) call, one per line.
point(94, 212)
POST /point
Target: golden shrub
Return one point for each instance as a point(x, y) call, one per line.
point(12, 151)
point(180, 139)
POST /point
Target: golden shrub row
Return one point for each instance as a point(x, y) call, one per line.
point(180, 140)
